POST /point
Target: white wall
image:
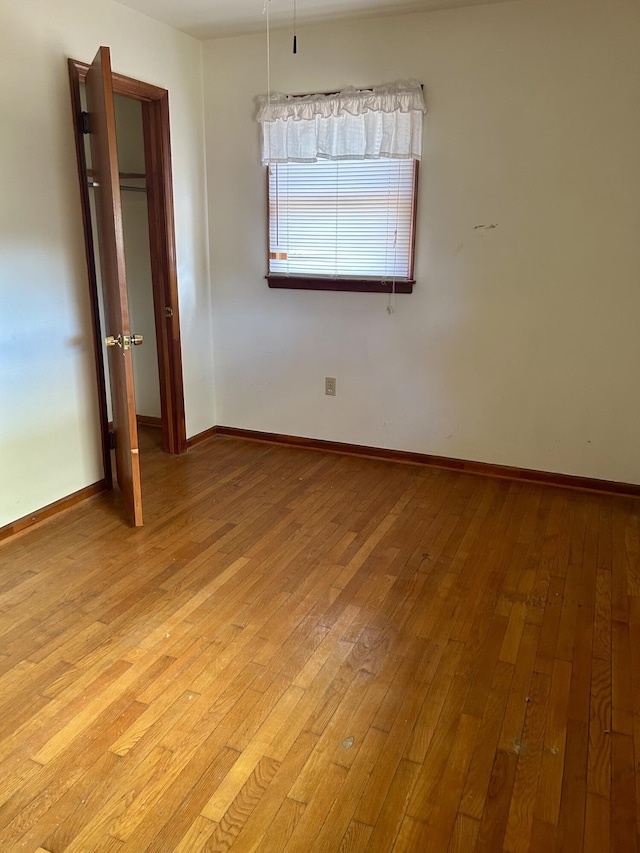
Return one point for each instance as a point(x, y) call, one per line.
point(520, 344)
point(49, 435)
point(129, 134)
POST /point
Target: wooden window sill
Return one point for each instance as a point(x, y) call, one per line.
point(356, 285)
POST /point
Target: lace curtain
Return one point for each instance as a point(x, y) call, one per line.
point(352, 125)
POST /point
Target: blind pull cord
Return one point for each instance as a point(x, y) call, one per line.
point(392, 296)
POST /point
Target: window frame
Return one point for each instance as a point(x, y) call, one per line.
point(345, 283)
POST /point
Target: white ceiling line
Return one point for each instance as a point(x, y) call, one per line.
point(214, 18)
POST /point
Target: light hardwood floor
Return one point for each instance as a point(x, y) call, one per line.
point(308, 652)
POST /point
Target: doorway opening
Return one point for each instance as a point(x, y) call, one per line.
point(137, 251)
point(143, 143)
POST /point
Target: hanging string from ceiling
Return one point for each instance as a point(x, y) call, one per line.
point(265, 12)
point(295, 36)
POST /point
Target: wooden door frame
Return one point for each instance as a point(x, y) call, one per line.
point(157, 145)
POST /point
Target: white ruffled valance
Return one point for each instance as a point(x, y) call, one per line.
point(355, 124)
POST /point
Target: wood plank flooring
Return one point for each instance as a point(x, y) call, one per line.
point(307, 652)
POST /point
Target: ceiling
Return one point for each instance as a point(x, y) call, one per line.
point(211, 18)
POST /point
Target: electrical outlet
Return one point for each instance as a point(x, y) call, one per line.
point(330, 386)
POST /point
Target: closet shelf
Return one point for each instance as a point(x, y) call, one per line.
point(91, 173)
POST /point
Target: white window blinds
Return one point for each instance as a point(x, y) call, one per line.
point(342, 218)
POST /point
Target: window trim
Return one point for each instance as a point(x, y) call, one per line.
point(344, 283)
point(356, 285)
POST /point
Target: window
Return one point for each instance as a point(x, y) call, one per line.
point(344, 221)
point(342, 178)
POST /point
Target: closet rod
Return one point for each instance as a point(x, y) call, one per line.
point(123, 187)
